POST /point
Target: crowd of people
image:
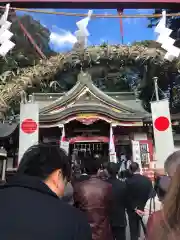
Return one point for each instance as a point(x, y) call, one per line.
point(51, 198)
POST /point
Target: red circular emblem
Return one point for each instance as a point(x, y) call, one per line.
point(29, 126)
point(161, 123)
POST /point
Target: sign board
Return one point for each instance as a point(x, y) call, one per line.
point(29, 127)
point(65, 146)
point(112, 157)
point(136, 152)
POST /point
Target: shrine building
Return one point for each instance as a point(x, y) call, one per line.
point(87, 113)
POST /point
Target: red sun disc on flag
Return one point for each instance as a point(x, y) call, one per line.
point(29, 126)
point(161, 123)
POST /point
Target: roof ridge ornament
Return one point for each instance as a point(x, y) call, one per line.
point(84, 77)
point(165, 40)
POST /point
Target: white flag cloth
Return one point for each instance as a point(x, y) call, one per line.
point(112, 151)
point(163, 136)
point(64, 144)
point(63, 134)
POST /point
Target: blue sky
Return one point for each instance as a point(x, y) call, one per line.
point(62, 28)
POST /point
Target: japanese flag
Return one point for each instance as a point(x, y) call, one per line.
point(163, 136)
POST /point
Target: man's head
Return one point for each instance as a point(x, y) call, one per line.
point(112, 169)
point(171, 163)
point(92, 165)
point(134, 167)
point(49, 163)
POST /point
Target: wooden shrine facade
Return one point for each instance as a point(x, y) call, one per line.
point(87, 113)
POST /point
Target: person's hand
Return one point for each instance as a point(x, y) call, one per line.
point(140, 212)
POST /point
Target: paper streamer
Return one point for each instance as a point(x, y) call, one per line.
point(82, 32)
point(5, 35)
point(167, 43)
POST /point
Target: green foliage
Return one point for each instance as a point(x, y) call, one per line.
point(148, 43)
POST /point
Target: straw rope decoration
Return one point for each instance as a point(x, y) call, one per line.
point(94, 15)
point(46, 69)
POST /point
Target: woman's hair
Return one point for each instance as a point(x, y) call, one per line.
point(171, 210)
point(161, 186)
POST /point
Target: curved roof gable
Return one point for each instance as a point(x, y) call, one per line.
point(83, 85)
point(86, 108)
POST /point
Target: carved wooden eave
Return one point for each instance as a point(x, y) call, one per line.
point(85, 97)
point(89, 108)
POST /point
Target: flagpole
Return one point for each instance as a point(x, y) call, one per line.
point(156, 88)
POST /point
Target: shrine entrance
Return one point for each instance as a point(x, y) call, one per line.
point(89, 149)
point(88, 139)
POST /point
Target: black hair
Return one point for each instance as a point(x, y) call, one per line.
point(42, 159)
point(112, 169)
point(134, 167)
point(92, 165)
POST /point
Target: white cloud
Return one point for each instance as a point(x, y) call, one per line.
point(62, 39)
point(145, 11)
point(133, 21)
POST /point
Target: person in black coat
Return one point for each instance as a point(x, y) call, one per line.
point(139, 190)
point(117, 215)
point(30, 207)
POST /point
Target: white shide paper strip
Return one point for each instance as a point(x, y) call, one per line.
point(82, 32)
point(167, 43)
point(5, 35)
